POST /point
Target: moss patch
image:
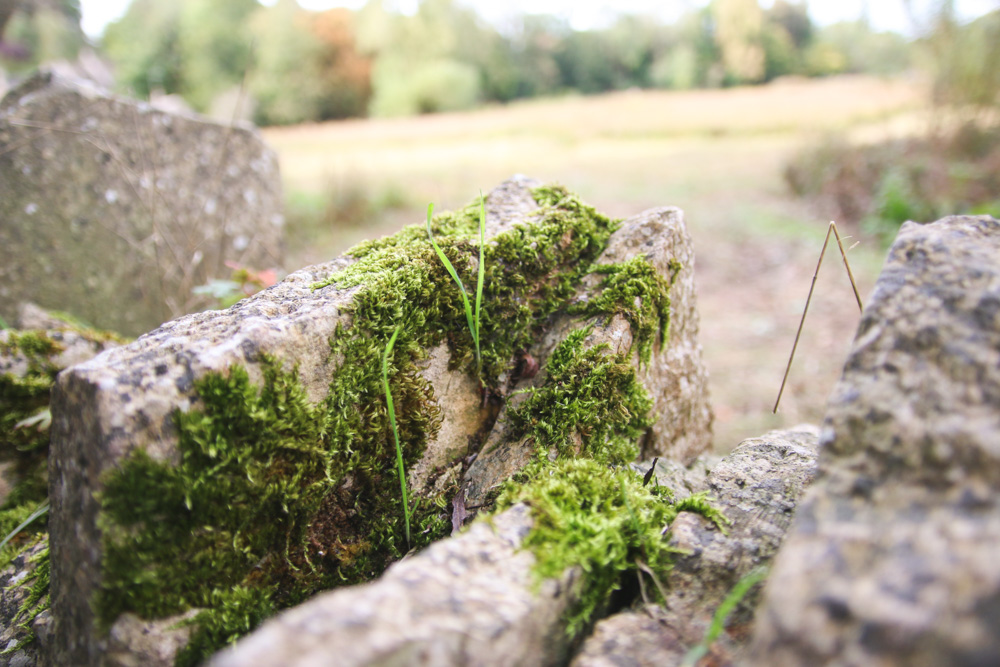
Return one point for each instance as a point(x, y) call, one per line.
point(635, 289)
point(36, 599)
point(591, 405)
point(276, 498)
point(24, 436)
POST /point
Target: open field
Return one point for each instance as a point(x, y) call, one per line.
point(717, 154)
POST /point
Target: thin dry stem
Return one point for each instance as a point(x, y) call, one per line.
point(798, 334)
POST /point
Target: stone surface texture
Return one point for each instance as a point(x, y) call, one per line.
point(471, 600)
point(892, 558)
point(467, 600)
point(114, 211)
point(675, 377)
point(15, 589)
point(757, 487)
point(125, 399)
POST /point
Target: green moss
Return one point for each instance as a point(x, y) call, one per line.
point(24, 440)
point(531, 273)
point(591, 405)
point(37, 599)
point(276, 498)
point(635, 289)
point(600, 519)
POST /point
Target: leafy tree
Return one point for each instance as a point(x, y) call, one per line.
point(213, 45)
point(418, 67)
point(344, 73)
point(144, 45)
point(41, 32)
point(739, 28)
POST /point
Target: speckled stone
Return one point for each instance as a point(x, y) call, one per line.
point(892, 558)
point(124, 399)
point(113, 211)
point(757, 487)
point(675, 376)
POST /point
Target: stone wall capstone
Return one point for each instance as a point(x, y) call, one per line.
point(114, 211)
point(128, 400)
point(892, 556)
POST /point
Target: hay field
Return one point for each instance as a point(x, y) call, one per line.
point(717, 154)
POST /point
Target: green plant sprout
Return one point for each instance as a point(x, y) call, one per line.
point(473, 320)
point(395, 432)
point(736, 595)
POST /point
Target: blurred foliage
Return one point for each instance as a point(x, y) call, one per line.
point(953, 168)
point(309, 66)
point(41, 32)
point(880, 186)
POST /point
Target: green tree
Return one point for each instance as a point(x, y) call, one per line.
point(739, 32)
point(418, 62)
point(214, 47)
point(144, 45)
point(44, 32)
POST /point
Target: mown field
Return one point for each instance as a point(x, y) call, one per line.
point(718, 155)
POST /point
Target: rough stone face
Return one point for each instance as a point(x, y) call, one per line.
point(470, 600)
point(757, 487)
point(125, 399)
point(114, 211)
point(892, 558)
point(675, 377)
point(467, 600)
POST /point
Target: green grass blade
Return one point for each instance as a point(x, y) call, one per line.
point(42, 509)
point(482, 275)
point(735, 596)
point(458, 281)
point(395, 432)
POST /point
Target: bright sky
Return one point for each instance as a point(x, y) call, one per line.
point(583, 14)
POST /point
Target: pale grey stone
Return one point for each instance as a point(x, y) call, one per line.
point(114, 211)
point(675, 376)
point(107, 407)
point(892, 558)
point(467, 600)
point(756, 487)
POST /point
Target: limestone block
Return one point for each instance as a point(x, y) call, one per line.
point(892, 557)
point(113, 211)
point(468, 600)
point(675, 375)
point(757, 487)
point(128, 400)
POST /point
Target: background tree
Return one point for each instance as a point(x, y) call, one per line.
point(739, 32)
point(144, 46)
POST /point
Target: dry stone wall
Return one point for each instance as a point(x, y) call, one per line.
point(114, 211)
point(132, 399)
point(891, 559)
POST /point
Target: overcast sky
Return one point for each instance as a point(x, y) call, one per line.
point(583, 14)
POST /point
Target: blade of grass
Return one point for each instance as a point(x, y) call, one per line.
point(482, 268)
point(723, 611)
point(473, 328)
point(42, 509)
point(395, 433)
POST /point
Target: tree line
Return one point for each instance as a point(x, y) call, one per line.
point(301, 66)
